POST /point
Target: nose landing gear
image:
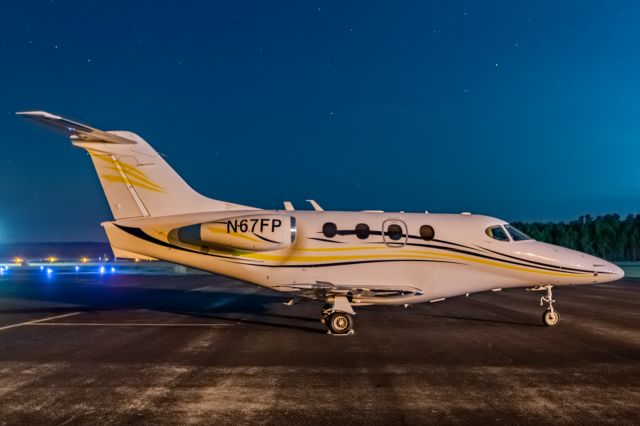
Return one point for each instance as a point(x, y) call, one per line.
point(550, 316)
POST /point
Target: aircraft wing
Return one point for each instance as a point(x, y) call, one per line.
point(74, 130)
point(325, 288)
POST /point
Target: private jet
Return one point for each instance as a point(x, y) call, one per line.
point(344, 259)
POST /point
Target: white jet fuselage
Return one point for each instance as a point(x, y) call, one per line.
point(458, 257)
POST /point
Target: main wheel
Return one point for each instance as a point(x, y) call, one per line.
point(340, 323)
point(550, 318)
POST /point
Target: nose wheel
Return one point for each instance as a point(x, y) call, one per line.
point(550, 317)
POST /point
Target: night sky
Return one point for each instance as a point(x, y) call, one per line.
point(519, 110)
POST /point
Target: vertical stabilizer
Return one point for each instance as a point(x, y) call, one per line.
point(136, 180)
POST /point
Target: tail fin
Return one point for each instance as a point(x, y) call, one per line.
point(135, 178)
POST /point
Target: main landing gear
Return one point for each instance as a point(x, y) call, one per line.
point(550, 317)
point(338, 318)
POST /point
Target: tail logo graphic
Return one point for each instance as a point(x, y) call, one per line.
point(125, 173)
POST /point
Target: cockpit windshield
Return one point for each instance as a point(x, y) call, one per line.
point(497, 233)
point(516, 234)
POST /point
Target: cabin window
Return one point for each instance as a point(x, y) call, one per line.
point(362, 231)
point(329, 229)
point(516, 234)
point(427, 233)
point(394, 232)
point(497, 233)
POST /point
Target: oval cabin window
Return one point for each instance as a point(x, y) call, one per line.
point(362, 231)
point(427, 233)
point(394, 232)
point(329, 229)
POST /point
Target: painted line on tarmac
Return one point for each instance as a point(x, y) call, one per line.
point(227, 300)
point(38, 321)
point(130, 324)
point(200, 288)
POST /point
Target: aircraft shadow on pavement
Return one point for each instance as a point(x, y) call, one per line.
point(238, 307)
point(486, 320)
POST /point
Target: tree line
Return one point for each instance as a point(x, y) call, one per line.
point(609, 237)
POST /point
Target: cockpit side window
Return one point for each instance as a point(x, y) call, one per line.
point(497, 232)
point(516, 234)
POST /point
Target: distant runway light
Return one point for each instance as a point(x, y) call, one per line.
point(49, 271)
point(102, 269)
point(113, 269)
point(77, 268)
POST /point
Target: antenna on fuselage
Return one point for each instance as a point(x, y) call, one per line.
point(315, 206)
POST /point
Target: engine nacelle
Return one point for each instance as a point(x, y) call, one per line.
point(260, 232)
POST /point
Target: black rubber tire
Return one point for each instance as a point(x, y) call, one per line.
point(550, 318)
point(340, 323)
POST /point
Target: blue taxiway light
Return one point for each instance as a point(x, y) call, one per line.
point(102, 269)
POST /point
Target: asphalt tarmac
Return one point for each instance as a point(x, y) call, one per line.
point(180, 349)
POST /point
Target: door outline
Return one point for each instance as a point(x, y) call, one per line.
point(405, 233)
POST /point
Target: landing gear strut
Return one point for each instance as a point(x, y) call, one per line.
point(550, 317)
point(334, 317)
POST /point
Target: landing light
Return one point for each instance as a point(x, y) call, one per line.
point(52, 259)
point(84, 259)
point(18, 260)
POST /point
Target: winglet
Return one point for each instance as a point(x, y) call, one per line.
point(76, 131)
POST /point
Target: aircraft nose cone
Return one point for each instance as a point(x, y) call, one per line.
point(607, 271)
point(617, 271)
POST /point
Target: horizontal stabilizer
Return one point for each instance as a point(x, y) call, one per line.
point(76, 131)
